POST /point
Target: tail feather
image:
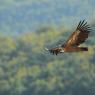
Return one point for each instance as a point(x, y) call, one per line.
point(83, 48)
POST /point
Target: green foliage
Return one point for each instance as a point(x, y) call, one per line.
point(27, 69)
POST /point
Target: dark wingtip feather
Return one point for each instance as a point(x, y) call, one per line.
point(83, 26)
point(80, 23)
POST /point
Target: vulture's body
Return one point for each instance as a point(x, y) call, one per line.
point(73, 43)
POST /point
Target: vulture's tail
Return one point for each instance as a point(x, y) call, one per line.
point(83, 49)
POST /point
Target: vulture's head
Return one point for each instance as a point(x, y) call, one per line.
point(56, 50)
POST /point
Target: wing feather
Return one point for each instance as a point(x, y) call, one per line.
point(80, 35)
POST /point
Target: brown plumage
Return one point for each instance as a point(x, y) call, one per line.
point(77, 37)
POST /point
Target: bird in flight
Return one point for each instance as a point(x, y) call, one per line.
point(73, 43)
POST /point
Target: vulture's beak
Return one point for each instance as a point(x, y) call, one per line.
point(46, 49)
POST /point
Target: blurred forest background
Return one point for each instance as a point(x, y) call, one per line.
point(25, 30)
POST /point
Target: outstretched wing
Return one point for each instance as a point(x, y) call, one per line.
point(80, 35)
